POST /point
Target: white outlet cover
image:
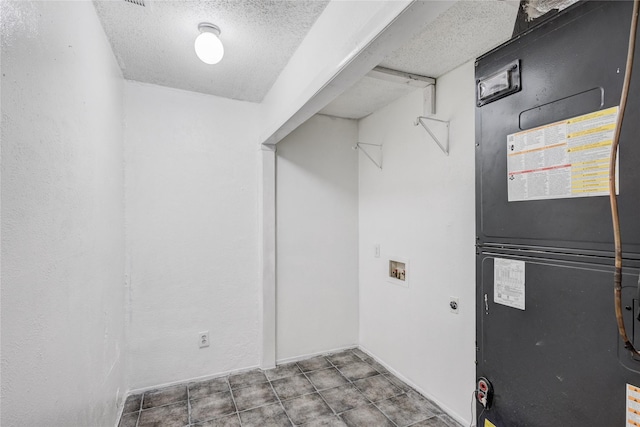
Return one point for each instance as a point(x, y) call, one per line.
point(203, 339)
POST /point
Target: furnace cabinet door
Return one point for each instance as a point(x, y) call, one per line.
point(570, 66)
point(558, 362)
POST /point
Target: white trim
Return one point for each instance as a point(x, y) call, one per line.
point(319, 353)
point(191, 380)
point(185, 382)
point(368, 352)
point(429, 396)
point(267, 211)
point(120, 406)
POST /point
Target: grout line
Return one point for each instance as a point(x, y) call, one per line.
point(268, 381)
point(269, 403)
point(233, 399)
point(348, 382)
point(356, 387)
point(385, 375)
point(278, 397)
point(301, 358)
point(203, 378)
point(316, 388)
point(383, 413)
point(413, 387)
point(188, 406)
point(140, 408)
point(434, 416)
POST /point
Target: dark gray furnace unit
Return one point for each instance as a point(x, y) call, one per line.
point(548, 348)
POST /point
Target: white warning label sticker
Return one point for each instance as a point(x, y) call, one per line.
point(633, 406)
point(508, 283)
point(563, 159)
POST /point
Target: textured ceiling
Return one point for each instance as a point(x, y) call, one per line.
point(154, 44)
point(462, 33)
point(368, 95)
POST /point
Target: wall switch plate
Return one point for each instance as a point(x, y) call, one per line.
point(454, 305)
point(203, 339)
point(376, 250)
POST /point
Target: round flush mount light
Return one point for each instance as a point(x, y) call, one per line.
point(208, 46)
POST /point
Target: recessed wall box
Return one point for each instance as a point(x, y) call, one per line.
point(499, 84)
point(398, 271)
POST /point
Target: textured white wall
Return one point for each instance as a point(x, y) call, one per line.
point(62, 218)
point(191, 172)
point(317, 234)
point(421, 207)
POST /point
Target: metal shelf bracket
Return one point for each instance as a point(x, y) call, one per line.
point(444, 147)
point(359, 145)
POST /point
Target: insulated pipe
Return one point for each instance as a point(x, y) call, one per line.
point(617, 276)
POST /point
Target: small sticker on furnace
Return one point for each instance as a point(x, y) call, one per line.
point(561, 160)
point(508, 283)
point(633, 406)
point(488, 423)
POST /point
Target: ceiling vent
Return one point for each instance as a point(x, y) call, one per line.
point(136, 2)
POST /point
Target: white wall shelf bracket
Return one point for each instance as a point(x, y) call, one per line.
point(444, 145)
point(359, 146)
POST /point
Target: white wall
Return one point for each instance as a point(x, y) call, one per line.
point(342, 30)
point(317, 234)
point(62, 218)
point(191, 164)
point(345, 43)
point(421, 207)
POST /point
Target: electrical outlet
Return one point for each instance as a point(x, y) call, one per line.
point(203, 339)
point(484, 392)
point(454, 305)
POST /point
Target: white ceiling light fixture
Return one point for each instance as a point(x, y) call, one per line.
point(208, 46)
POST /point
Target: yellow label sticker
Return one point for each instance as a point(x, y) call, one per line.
point(488, 423)
point(633, 406)
point(562, 159)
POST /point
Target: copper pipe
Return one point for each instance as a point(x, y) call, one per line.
point(613, 198)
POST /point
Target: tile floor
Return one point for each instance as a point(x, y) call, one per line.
point(341, 389)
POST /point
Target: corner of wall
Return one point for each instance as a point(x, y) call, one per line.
point(420, 207)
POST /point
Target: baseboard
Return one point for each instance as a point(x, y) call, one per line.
point(419, 389)
point(319, 353)
point(222, 374)
point(168, 384)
